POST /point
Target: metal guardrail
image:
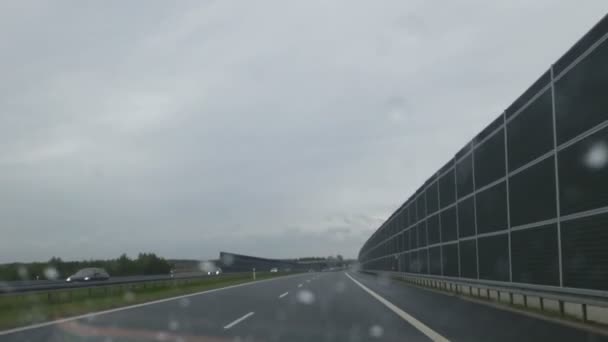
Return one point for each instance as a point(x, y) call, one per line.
point(6, 289)
point(584, 307)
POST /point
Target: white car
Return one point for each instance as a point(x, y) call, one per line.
point(274, 270)
point(216, 272)
point(89, 274)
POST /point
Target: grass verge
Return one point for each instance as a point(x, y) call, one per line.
point(24, 309)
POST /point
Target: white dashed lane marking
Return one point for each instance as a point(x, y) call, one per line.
point(237, 321)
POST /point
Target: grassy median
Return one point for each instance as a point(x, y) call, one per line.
point(23, 309)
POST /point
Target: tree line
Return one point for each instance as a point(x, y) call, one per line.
point(55, 268)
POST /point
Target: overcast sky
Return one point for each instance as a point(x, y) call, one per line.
point(272, 128)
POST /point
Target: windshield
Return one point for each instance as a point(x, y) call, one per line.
point(303, 170)
point(86, 272)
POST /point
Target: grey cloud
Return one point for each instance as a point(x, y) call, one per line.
point(200, 126)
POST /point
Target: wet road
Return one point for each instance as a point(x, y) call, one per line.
point(333, 306)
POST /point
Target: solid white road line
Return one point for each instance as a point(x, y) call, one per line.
point(299, 285)
point(430, 333)
point(92, 314)
point(284, 294)
point(228, 326)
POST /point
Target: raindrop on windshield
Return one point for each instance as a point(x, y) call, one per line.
point(384, 279)
point(354, 333)
point(396, 109)
point(129, 296)
point(22, 272)
point(51, 273)
point(173, 325)
point(207, 266)
point(340, 286)
point(376, 331)
point(162, 336)
point(305, 297)
point(227, 259)
point(597, 156)
point(184, 302)
point(281, 315)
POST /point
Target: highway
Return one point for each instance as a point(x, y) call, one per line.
point(331, 306)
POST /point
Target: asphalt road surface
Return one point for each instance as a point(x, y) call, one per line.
point(333, 306)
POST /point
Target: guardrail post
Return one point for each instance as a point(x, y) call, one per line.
point(542, 303)
point(584, 309)
point(511, 298)
point(49, 296)
point(561, 307)
point(525, 301)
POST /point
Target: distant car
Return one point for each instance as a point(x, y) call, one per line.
point(217, 271)
point(274, 270)
point(89, 274)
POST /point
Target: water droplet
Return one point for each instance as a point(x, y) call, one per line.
point(355, 333)
point(396, 109)
point(207, 266)
point(340, 286)
point(597, 156)
point(305, 297)
point(281, 315)
point(22, 272)
point(227, 259)
point(184, 302)
point(51, 273)
point(376, 331)
point(173, 325)
point(162, 336)
point(384, 279)
point(129, 296)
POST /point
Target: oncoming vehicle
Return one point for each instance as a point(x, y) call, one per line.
point(274, 270)
point(217, 271)
point(89, 274)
